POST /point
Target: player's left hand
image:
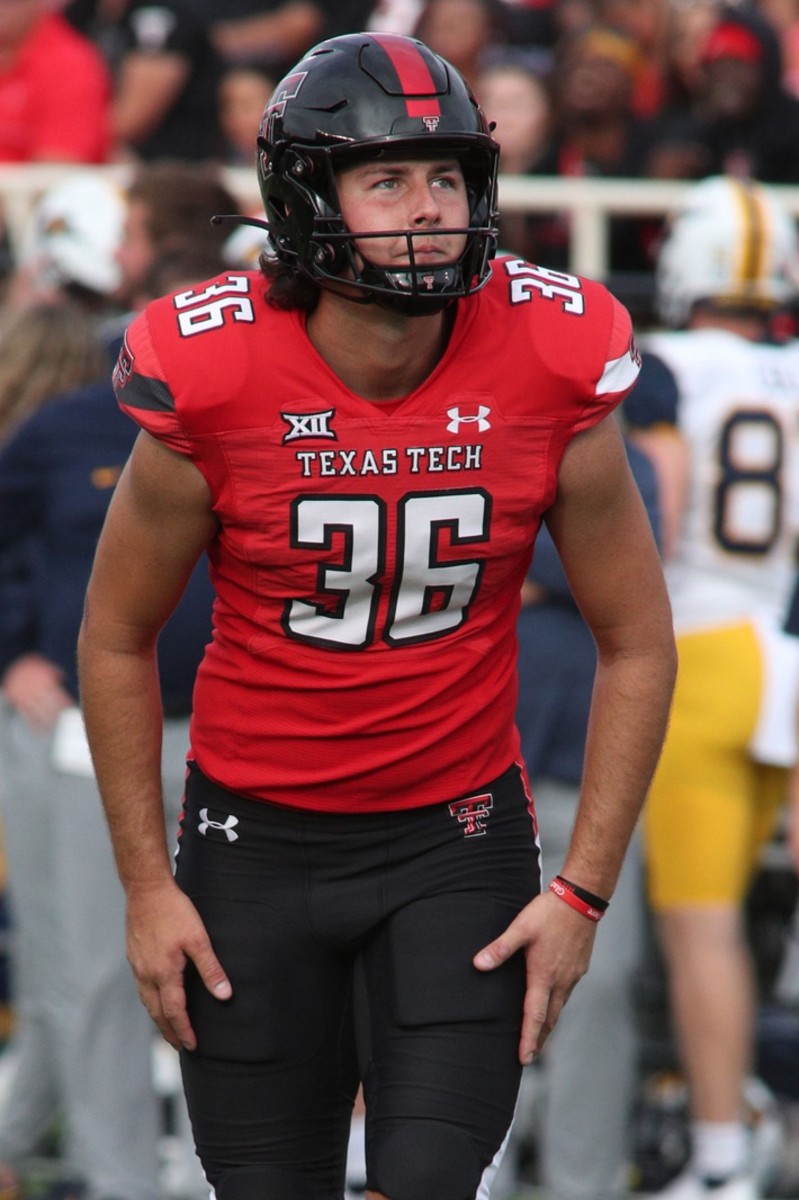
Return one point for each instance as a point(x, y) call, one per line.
point(557, 944)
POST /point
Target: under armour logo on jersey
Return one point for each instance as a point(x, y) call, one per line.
point(479, 418)
point(228, 826)
point(472, 813)
point(308, 425)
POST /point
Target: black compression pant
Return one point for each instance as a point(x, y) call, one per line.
point(348, 940)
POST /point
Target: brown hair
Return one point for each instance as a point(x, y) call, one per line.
point(45, 350)
point(181, 198)
point(288, 287)
point(183, 263)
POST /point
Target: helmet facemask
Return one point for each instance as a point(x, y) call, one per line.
point(297, 177)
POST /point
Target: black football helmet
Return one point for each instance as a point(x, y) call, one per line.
point(355, 98)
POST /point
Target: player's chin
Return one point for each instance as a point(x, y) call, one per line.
point(421, 263)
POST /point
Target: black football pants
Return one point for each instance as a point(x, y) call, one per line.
point(348, 939)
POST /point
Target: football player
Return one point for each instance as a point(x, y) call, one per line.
point(727, 443)
point(365, 437)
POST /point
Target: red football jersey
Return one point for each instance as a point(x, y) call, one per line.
point(370, 557)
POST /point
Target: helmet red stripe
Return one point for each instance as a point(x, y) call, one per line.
point(413, 74)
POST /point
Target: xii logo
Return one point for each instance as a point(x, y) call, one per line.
point(308, 425)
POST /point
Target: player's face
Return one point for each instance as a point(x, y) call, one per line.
point(416, 195)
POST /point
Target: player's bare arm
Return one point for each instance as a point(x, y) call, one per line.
point(158, 524)
point(605, 541)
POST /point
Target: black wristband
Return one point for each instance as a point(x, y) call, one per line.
point(586, 896)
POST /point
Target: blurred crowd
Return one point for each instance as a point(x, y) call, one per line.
point(663, 89)
point(173, 91)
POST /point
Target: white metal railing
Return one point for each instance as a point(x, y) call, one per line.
point(589, 203)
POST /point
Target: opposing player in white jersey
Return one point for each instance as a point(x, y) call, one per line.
point(728, 454)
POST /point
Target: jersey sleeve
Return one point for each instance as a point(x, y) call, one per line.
point(142, 391)
point(623, 362)
point(580, 339)
point(619, 368)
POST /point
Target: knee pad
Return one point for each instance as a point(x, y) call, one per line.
point(263, 1183)
point(425, 1159)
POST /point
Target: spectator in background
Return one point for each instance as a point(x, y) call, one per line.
point(99, 20)
point(55, 89)
point(783, 16)
point(747, 118)
point(464, 32)
point(573, 17)
point(169, 200)
point(518, 101)
point(273, 32)
point(646, 23)
point(741, 120)
point(532, 25)
point(243, 94)
point(596, 133)
point(164, 72)
point(29, 377)
point(181, 263)
point(680, 153)
point(395, 16)
point(165, 83)
point(687, 32)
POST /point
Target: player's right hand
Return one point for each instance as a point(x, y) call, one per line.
point(164, 932)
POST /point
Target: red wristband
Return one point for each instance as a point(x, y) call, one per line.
point(574, 901)
point(583, 894)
